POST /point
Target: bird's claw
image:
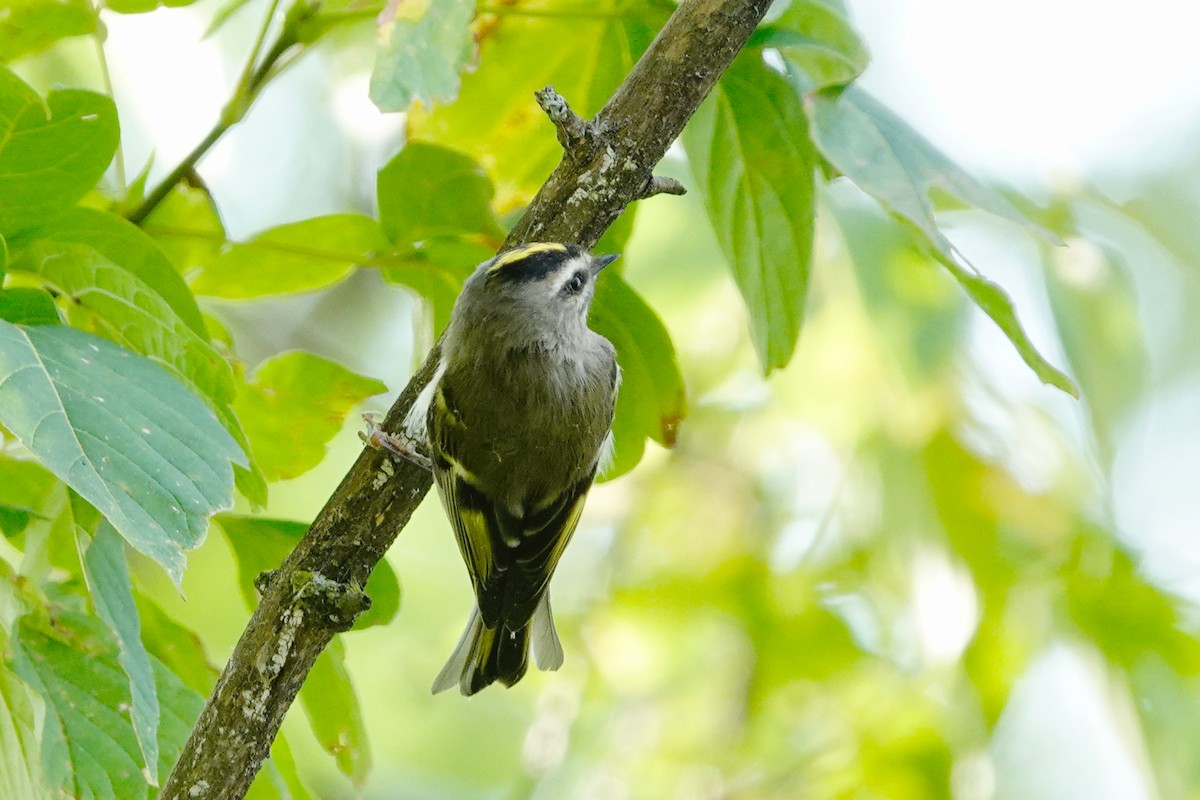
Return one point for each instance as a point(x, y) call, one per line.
point(397, 444)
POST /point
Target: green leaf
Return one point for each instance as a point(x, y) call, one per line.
point(223, 15)
point(651, 402)
point(891, 162)
point(24, 492)
point(818, 40)
point(1095, 307)
point(28, 306)
point(51, 152)
point(181, 707)
point(584, 48)
point(333, 712)
point(187, 228)
point(20, 760)
point(177, 647)
point(298, 392)
point(298, 257)
point(143, 6)
point(996, 303)
point(112, 596)
point(1125, 615)
point(121, 432)
point(120, 242)
point(422, 47)
point(29, 26)
point(88, 748)
point(120, 306)
point(428, 191)
point(262, 544)
point(117, 304)
point(748, 148)
point(278, 779)
point(436, 271)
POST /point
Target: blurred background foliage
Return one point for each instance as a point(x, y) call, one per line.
point(900, 567)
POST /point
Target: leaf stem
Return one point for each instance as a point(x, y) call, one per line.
point(254, 77)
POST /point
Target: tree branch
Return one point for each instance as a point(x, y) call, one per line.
point(607, 165)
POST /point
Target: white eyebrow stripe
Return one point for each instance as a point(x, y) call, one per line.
point(579, 263)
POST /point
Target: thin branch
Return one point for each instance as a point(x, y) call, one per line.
point(661, 184)
point(573, 131)
point(374, 502)
point(253, 78)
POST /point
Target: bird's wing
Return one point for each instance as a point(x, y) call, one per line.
point(543, 540)
point(472, 513)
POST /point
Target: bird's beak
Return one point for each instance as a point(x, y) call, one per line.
point(600, 262)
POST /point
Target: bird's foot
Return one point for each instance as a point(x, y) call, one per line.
point(398, 444)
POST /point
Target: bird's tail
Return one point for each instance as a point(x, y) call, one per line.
point(485, 655)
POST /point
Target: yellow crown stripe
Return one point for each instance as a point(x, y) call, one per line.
point(525, 251)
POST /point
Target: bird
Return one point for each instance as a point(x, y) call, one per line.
point(517, 421)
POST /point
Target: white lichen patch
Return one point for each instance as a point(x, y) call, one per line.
point(254, 703)
point(287, 637)
point(198, 789)
point(578, 197)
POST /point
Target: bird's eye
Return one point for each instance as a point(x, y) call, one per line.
point(575, 284)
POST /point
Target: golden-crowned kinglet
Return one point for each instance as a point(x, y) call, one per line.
point(517, 418)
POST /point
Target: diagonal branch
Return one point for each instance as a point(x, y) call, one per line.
point(607, 165)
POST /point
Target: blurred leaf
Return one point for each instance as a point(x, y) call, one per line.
point(1012, 630)
point(332, 708)
point(1095, 308)
point(88, 747)
point(51, 152)
point(23, 493)
point(294, 405)
point(120, 242)
point(436, 271)
point(20, 761)
point(582, 47)
point(749, 152)
point(279, 778)
point(298, 257)
point(121, 432)
point(428, 191)
point(143, 6)
point(1169, 708)
point(29, 26)
point(225, 13)
point(262, 544)
point(817, 39)
point(177, 647)
point(181, 707)
point(112, 596)
point(918, 313)
point(28, 306)
point(894, 164)
point(976, 502)
point(421, 49)
point(1121, 612)
point(187, 228)
point(651, 402)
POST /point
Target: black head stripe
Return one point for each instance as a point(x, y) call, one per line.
point(532, 262)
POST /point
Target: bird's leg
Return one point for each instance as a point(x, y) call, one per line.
point(398, 444)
